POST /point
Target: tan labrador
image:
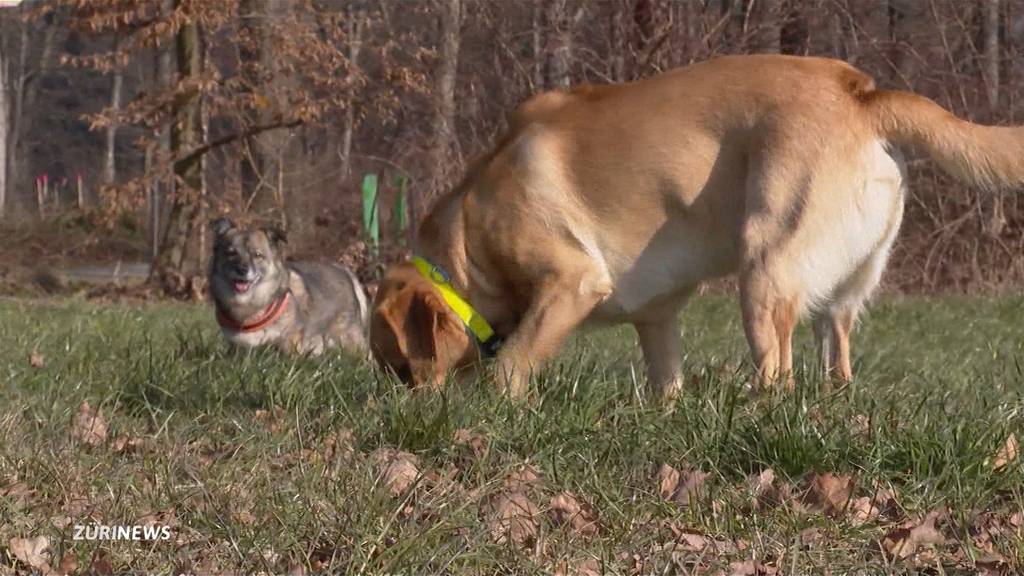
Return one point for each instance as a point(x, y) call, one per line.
point(613, 203)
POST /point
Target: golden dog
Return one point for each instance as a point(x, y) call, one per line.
point(613, 203)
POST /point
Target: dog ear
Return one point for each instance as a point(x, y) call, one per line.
point(424, 321)
point(276, 236)
point(221, 226)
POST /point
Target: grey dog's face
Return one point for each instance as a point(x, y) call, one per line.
point(246, 262)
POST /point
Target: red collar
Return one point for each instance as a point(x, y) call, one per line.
point(267, 317)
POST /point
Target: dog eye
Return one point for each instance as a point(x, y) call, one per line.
point(232, 252)
point(258, 255)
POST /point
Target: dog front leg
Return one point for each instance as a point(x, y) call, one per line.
point(556, 309)
point(659, 341)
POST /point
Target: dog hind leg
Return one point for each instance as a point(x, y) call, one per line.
point(832, 329)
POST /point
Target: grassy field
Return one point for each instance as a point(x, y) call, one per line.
point(118, 416)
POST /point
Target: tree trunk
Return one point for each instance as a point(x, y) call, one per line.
point(990, 72)
point(186, 134)
point(902, 16)
point(537, 45)
point(4, 112)
point(355, 38)
point(163, 184)
point(264, 152)
point(200, 216)
point(444, 89)
point(25, 92)
point(990, 63)
point(110, 156)
point(618, 42)
point(774, 17)
point(559, 44)
point(794, 32)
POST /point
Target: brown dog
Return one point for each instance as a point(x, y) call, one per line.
point(614, 203)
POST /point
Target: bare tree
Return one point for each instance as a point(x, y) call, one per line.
point(794, 31)
point(4, 115)
point(356, 24)
point(262, 23)
point(617, 40)
point(773, 20)
point(450, 16)
point(29, 72)
point(990, 56)
point(186, 134)
point(559, 24)
point(161, 187)
point(110, 148)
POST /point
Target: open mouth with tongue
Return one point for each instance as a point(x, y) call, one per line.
point(242, 286)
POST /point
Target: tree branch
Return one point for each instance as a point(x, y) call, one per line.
point(254, 131)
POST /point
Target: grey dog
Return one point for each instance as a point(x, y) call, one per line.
point(301, 307)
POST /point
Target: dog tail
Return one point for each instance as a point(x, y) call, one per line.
point(990, 157)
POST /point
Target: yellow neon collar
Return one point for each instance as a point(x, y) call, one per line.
point(475, 323)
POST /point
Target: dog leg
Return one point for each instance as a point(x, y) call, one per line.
point(842, 325)
point(659, 341)
point(826, 343)
point(760, 302)
point(785, 318)
point(832, 329)
point(556, 309)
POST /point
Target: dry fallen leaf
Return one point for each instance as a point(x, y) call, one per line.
point(588, 567)
point(811, 537)
point(129, 444)
point(100, 564)
point(271, 418)
point(17, 493)
point(89, 427)
point(398, 469)
point(863, 510)
point(60, 521)
point(906, 540)
point(764, 492)
point(36, 360)
point(680, 487)
point(566, 509)
point(243, 516)
point(860, 425)
point(514, 519)
point(751, 568)
point(828, 493)
point(868, 508)
point(668, 479)
point(688, 539)
point(1006, 454)
point(522, 478)
point(339, 448)
point(68, 564)
point(992, 563)
point(33, 552)
point(473, 441)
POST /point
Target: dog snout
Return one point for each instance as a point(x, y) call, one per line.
point(241, 268)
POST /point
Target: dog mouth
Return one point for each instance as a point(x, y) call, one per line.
point(243, 286)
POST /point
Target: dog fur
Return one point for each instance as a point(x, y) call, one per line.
point(326, 307)
point(614, 203)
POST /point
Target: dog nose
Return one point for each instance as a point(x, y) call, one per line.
point(242, 268)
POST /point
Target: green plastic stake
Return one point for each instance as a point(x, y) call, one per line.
point(371, 222)
point(401, 210)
